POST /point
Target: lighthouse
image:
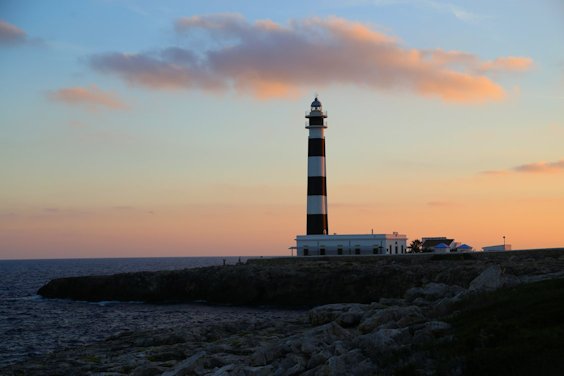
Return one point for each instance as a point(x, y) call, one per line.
point(317, 241)
point(316, 173)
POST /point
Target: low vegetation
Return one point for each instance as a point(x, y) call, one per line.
point(516, 331)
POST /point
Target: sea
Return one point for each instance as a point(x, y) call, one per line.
point(31, 325)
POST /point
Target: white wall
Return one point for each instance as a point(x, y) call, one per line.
point(352, 245)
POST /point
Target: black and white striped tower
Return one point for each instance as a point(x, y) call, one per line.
point(316, 179)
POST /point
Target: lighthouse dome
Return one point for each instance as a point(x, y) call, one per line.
point(316, 103)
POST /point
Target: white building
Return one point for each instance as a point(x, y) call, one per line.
point(362, 244)
point(497, 248)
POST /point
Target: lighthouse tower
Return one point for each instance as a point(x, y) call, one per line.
point(316, 178)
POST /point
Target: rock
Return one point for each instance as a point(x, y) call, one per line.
point(318, 359)
point(437, 326)
point(432, 292)
point(147, 371)
point(331, 312)
point(490, 279)
point(391, 301)
point(336, 366)
point(292, 364)
point(349, 319)
point(224, 371)
point(258, 371)
point(300, 281)
point(187, 366)
point(407, 315)
point(339, 348)
point(384, 340)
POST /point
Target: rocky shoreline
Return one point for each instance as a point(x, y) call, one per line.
point(300, 282)
point(389, 336)
point(395, 327)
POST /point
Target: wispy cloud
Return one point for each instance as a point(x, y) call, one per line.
point(473, 64)
point(11, 35)
point(90, 97)
point(456, 11)
point(266, 59)
point(534, 168)
point(541, 167)
point(440, 6)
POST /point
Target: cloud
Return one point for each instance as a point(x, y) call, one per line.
point(266, 59)
point(541, 167)
point(535, 167)
point(473, 64)
point(91, 97)
point(456, 11)
point(509, 63)
point(11, 35)
point(439, 6)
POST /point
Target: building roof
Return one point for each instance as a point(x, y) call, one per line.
point(352, 237)
point(316, 103)
point(432, 243)
point(464, 246)
point(441, 245)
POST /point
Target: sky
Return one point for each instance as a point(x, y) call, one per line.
point(176, 128)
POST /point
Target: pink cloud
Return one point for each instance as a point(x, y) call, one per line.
point(266, 59)
point(473, 64)
point(91, 97)
point(10, 34)
point(542, 167)
point(535, 167)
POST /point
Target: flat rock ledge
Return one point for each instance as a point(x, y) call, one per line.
point(387, 336)
point(303, 281)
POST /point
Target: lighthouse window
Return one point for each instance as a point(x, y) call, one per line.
point(322, 251)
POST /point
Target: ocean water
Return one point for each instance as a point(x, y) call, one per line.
point(31, 325)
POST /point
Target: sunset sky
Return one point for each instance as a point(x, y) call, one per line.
point(176, 128)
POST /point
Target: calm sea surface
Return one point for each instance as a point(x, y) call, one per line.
point(30, 325)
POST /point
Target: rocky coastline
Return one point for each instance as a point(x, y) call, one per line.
point(299, 282)
point(410, 329)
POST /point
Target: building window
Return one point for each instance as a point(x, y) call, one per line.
point(396, 249)
point(357, 251)
point(322, 251)
point(340, 250)
point(375, 250)
point(390, 250)
point(402, 250)
point(306, 252)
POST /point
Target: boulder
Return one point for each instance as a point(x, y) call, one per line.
point(432, 292)
point(384, 341)
point(490, 279)
point(349, 314)
point(187, 366)
point(394, 315)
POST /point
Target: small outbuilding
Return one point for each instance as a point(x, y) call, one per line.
point(497, 248)
point(464, 248)
point(441, 248)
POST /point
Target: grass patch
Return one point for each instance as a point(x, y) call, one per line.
point(517, 331)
